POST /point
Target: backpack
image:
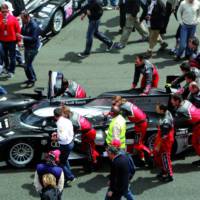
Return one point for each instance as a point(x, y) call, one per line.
point(131, 166)
point(51, 194)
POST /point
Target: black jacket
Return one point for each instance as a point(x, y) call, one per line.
point(119, 176)
point(132, 7)
point(50, 193)
point(158, 16)
point(95, 8)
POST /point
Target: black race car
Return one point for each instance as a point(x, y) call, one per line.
point(25, 135)
point(53, 14)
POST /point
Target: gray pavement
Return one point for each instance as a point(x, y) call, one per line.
point(100, 72)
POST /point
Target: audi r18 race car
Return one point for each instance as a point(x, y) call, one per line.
point(53, 14)
point(25, 135)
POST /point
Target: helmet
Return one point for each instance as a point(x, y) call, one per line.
point(54, 156)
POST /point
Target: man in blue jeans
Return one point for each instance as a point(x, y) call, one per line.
point(30, 34)
point(64, 136)
point(119, 175)
point(113, 3)
point(188, 16)
point(94, 12)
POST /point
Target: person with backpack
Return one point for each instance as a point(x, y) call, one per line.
point(119, 175)
point(94, 11)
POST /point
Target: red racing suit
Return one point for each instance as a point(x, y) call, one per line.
point(138, 117)
point(187, 113)
point(163, 144)
point(88, 135)
point(150, 76)
point(75, 90)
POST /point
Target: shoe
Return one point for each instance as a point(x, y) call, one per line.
point(110, 47)
point(30, 84)
point(167, 178)
point(10, 75)
point(196, 163)
point(108, 8)
point(25, 82)
point(143, 39)
point(69, 182)
point(177, 58)
point(83, 55)
point(120, 31)
point(149, 54)
point(163, 46)
point(119, 45)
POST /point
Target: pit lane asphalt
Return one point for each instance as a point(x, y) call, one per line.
point(98, 73)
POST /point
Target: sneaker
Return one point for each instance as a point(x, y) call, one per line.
point(30, 84)
point(118, 45)
point(25, 82)
point(109, 47)
point(108, 8)
point(149, 54)
point(163, 46)
point(83, 55)
point(167, 178)
point(177, 58)
point(196, 163)
point(69, 182)
point(10, 75)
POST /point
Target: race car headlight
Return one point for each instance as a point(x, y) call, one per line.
point(1, 138)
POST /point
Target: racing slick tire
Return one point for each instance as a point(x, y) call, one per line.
point(20, 154)
point(57, 21)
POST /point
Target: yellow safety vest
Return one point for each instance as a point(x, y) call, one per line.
point(120, 122)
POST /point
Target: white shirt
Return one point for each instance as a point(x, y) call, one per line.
point(65, 131)
point(189, 13)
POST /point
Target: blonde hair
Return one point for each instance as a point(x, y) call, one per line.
point(49, 180)
point(65, 111)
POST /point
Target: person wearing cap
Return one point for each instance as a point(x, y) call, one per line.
point(194, 95)
point(88, 135)
point(193, 47)
point(118, 184)
point(65, 138)
point(117, 127)
point(72, 89)
point(50, 166)
point(139, 118)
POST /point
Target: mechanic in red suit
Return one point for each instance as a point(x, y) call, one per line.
point(186, 113)
point(150, 74)
point(73, 89)
point(139, 118)
point(163, 144)
point(88, 133)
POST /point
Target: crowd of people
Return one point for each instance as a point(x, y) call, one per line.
point(53, 175)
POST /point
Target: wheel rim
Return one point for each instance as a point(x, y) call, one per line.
point(58, 21)
point(21, 154)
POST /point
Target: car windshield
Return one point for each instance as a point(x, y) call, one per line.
point(101, 102)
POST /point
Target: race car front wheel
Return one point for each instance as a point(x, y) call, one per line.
point(57, 21)
point(20, 154)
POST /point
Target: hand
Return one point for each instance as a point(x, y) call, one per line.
point(133, 85)
point(148, 17)
point(83, 16)
point(19, 35)
point(109, 194)
point(143, 94)
point(54, 136)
